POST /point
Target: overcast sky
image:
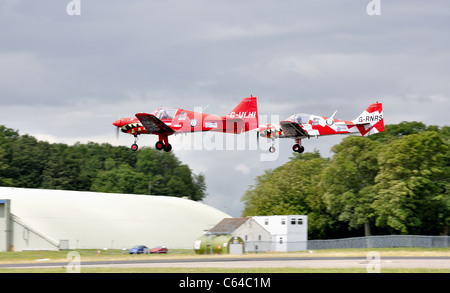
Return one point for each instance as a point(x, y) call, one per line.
point(66, 78)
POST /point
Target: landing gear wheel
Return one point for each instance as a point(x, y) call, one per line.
point(168, 148)
point(298, 148)
point(272, 149)
point(159, 145)
point(134, 147)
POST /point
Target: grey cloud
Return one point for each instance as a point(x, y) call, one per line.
point(67, 78)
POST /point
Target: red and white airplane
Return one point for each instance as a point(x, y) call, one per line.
point(301, 126)
point(167, 121)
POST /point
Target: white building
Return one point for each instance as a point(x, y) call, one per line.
point(287, 232)
point(267, 233)
point(39, 219)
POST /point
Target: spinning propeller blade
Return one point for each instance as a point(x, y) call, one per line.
point(117, 132)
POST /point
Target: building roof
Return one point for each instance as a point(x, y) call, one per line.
point(98, 220)
point(227, 225)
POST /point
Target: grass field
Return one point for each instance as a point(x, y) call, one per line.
point(108, 255)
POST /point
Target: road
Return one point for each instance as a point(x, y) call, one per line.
point(261, 262)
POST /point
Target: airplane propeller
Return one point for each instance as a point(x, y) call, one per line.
point(117, 132)
point(117, 124)
point(258, 133)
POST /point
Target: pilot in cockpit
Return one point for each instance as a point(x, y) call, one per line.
point(164, 114)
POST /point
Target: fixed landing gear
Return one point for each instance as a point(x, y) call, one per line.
point(272, 149)
point(297, 147)
point(168, 148)
point(161, 146)
point(134, 146)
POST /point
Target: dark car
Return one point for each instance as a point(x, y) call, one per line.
point(159, 249)
point(138, 249)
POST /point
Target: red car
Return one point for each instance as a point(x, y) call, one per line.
point(159, 249)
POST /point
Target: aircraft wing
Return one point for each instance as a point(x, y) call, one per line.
point(153, 124)
point(292, 129)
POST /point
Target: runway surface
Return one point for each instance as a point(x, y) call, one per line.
point(261, 262)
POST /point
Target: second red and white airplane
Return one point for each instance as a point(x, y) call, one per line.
point(301, 126)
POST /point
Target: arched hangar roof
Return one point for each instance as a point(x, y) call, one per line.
point(98, 220)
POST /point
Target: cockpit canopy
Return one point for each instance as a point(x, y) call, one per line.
point(165, 113)
point(300, 118)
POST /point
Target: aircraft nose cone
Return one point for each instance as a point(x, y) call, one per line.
point(118, 123)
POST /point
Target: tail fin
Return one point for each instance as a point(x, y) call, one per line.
point(371, 120)
point(246, 110)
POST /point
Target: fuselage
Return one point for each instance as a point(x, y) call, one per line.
point(179, 120)
point(314, 125)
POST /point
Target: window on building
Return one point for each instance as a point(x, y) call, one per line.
point(293, 221)
point(266, 221)
point(283, 221)
point(300, 221)
point(259, 237)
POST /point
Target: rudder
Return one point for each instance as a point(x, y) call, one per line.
point(371, 120)
point(246, 110)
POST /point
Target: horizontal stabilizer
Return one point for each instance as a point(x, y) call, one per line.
point(371, 120)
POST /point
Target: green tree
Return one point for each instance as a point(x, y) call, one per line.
point(199, 191)
point(180, 182)
point(393, 182)
point(28, 160)
point(121, 180)
point(291, 189)
point(4, 167)
point(395, 131)
point(158, 168)
point(94, 157)
point(410, 195)
point(62, 168)
point(445, 182)
point(347, 181)
point(168, 176)
point(7, 138)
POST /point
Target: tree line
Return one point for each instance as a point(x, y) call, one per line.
point(394, 182)
point(29, 163)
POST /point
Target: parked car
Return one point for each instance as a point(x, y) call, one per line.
point(138, 249)
point(159, 249)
